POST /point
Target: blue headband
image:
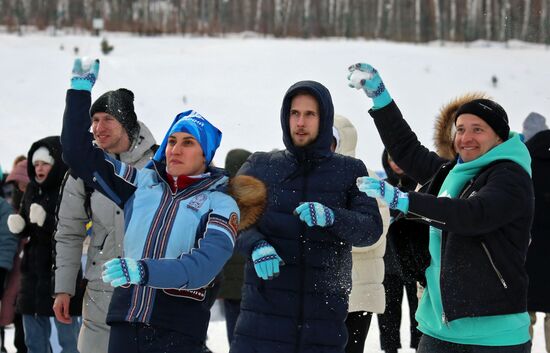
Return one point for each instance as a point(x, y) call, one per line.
point(191, 122)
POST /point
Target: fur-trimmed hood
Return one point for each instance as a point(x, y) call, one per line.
point(251, 197)
point(444, 128)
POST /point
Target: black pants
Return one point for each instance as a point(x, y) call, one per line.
point(433, 345)
point(389, 323)
point(139, 338)
point(357, 323)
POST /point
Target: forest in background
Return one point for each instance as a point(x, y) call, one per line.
point(396, 20)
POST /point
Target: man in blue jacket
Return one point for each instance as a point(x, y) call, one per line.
point(315, 213)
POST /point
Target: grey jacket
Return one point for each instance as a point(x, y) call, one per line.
point(107, 226)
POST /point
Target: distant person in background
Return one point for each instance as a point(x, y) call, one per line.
point(12, 192)
point(19, 179)
point(479, 208)
point(233, 271)
point(537, 137)
point(36, 220)
point(367, 291)
point(8, 247)
point(397, 276)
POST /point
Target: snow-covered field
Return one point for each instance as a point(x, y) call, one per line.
point(238, 83)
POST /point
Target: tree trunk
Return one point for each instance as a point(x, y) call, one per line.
point(488, 19)
point(437, 20)
point(417, 21)
point(452, 27)
point(258, 17)
point(379, 18)
point(503, 20)
point(543, 31)
point(526, 18)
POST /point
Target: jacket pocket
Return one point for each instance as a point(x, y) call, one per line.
point(500, 277)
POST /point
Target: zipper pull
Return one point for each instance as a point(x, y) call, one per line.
point(444, 319)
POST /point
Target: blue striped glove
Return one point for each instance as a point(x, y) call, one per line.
point(315, 214)
point(122, 272)
point(84, 79)
point(266, 261)
point(364, 76)
point(393, 197)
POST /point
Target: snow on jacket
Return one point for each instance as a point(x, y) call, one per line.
point(107, 231)
point(183, 238)
point(304, 308)
point(484, 240)
point(8, 241)
point(538, 257)
point(35, 294)
point(367, 273)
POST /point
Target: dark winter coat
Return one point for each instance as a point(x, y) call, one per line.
point(538, 257)
point(407, 252)
point(35, 295)
point(482, 265)
point(304, 308)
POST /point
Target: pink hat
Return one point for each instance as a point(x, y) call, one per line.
point(19, 173)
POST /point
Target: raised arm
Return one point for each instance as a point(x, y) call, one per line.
point(111, 177)
point(401, 142)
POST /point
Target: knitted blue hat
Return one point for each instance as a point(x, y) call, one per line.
point(191, 122)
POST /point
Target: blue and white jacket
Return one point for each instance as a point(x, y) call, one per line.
point(184, 238)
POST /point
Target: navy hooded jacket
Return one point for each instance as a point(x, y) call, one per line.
point(304, 308)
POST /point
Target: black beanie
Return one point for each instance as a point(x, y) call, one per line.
point(119, 104)
point(491, 112)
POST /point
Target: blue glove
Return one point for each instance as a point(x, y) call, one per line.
point(84, 80)
point(315, 214)
point(364, 76)
point(266, 261)
point(120, 272)
point(393, 197)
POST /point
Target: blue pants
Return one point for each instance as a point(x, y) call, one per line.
point(140, 338)
point(38, 330)
point(232, 309)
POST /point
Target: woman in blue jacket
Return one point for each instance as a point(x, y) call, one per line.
point(479, 207)
point(180, 226)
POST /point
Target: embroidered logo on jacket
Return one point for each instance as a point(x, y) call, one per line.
point(234, 223)
point(197, 202)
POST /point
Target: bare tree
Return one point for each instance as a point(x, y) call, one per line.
point(543, 27)
point(417, 20)
point(504, 11)
point(379, 18)
point(488, 19)
point(452, 27)
point(526, 17)
point(258, 17)
point(437, 19)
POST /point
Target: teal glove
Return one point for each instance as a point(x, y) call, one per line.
point(122, 272)
point(364, 76)
point(393, 197)
point(315, 214)
point(266, 261)
point(84, 80)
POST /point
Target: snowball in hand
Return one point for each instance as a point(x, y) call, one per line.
point(86, 63)
point(357, 76)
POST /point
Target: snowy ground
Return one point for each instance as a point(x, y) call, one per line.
point(239, 83)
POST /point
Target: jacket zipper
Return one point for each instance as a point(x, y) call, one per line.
point(302, 273)
point(494, 266)
point(426, 219)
